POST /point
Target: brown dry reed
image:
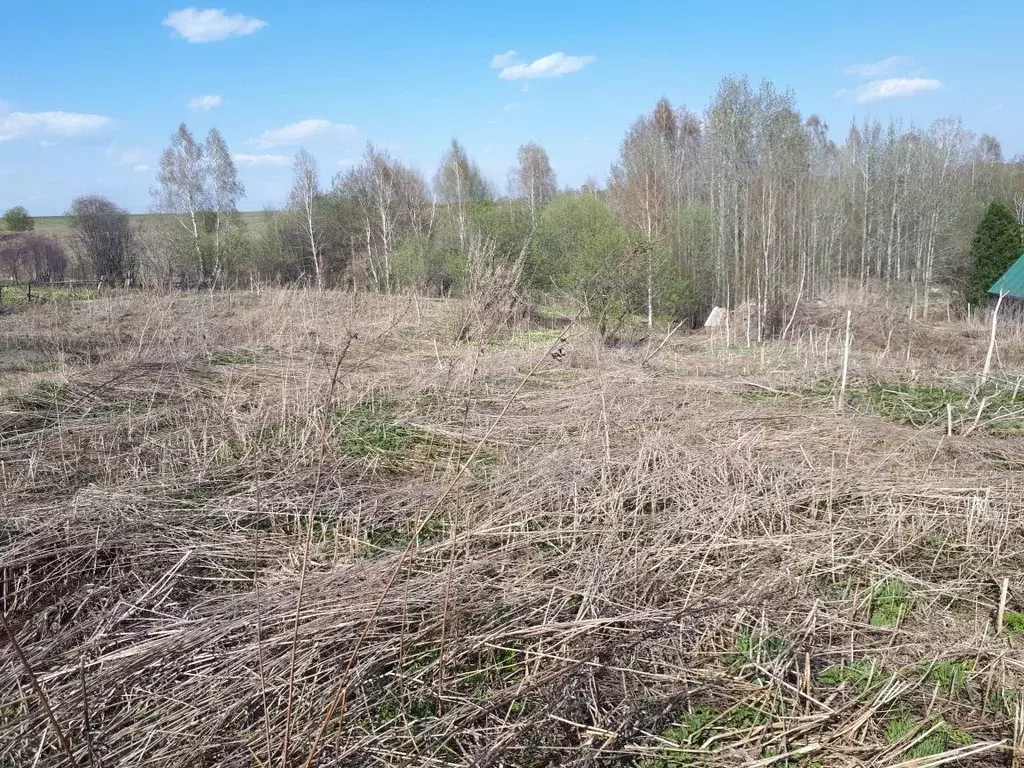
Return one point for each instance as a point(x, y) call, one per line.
point(305, 529)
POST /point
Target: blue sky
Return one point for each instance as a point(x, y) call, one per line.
point(90, 92)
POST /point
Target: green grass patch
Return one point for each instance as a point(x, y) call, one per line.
point(860, 674)
point(1014, 622)
point(370, 430)
point(17, 296)
point(689, 731)
point(942, 736)
point(232, 357)
point(927, 406)
point(951, 676)
point(395, 538)
point(1002, 701)
point(889, 603)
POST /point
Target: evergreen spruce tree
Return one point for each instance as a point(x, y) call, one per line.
point(996, 246)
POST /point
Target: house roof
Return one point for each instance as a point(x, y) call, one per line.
point(1012, 281)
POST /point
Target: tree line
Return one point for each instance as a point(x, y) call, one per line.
point(748, 203)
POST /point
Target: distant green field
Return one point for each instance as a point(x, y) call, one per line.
point(61, 225)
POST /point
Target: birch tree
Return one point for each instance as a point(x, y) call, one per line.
point(458, 183)
point(392, 202)
point(532, 179)
point(303, 204)
point(182, 190)
point(225, 190)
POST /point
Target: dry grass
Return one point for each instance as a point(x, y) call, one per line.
point(299, 529)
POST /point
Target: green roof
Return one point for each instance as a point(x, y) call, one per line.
point(1012, 281)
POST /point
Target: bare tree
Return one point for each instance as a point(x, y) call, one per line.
point(106, 237)
point(303, 203)
point(225, 189)
point(640, 187)
point(533, 179)
point(33, 256)
point(183, 191)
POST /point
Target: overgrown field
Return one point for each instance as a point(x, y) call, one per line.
point(299, 529)
point(61, 225)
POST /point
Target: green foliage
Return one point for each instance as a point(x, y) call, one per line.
point(508, 224)
point(951, 676)
point(1002, 701)
point(684, 733)
point(16, 296)
point(860, 673)
point(912, 404)
point(752, 645)
point(925, 406)
point(890, 603)
point(579, 245)
point(1014, 622)
point(941, 739)
point(996, 246)
point(422, 264)
point(368, 430)
point(16, 219)
point(674, 295)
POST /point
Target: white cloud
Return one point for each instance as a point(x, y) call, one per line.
point(879, 68)
point(840, 93)
point(47, 144)
point(211, 25)
point(552, 65)
point(304, 130)
point(19, 125)
point(346, 162)
point(502, 60)
point(257, 161)
point(896, 87)
point(142, 168)
point(205, 103)
point(512, 106)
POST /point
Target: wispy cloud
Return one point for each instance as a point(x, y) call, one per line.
point(304, 130)
point(896, 87)
point(346, 162)
point(19, 125)
point(552, 65)
point(502, 60)
point(512, 106)
point(211, 25)
point(141, 168)
point(880, 68)
point(205, 103)
point(257, 161)
point(126, 155)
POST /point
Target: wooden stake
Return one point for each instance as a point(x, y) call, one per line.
point(1004, 588)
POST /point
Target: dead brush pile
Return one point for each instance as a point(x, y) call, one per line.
point(293, 530)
